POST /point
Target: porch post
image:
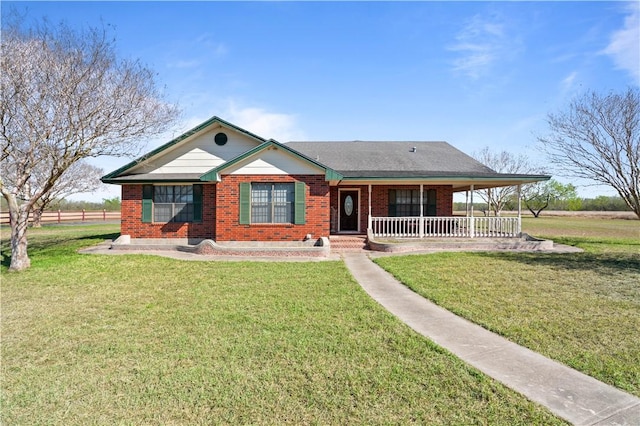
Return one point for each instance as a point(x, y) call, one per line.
point(471, 220)
point(369, 220)
point(466, 203)
point(421, 224)
point(519, 230)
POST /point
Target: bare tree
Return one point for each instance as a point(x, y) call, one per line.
point(598, 138)
point(66, 97)
point(502, 162)
point(78, 178)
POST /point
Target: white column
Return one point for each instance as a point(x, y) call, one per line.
point(369, 220)
point(466, 203)
point(421, 224)
point(519, 210)
point(471, 220)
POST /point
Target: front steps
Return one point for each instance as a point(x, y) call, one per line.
point(348, 243)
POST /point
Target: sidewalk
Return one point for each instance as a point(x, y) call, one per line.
point(571, 395)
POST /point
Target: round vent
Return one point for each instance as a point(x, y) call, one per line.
point(221, 139)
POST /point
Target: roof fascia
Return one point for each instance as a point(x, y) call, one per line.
point(187, 134)
point(523, 178)
point(117, 181)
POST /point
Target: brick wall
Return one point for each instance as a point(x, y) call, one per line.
point(221, 202)
point(227, 211)
point(131, 222)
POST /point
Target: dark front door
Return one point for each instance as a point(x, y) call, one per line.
point(349, 211)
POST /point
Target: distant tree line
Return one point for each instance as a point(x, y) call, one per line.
point(600, 203)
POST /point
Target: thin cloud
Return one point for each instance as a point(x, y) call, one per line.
point(480, 44)
point(202, 48)
point(181, 64)
point(624, 45)
point(568, 82)
point(269, 125)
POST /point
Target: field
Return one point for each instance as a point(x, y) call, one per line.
point(582, 309)
point(138, 339)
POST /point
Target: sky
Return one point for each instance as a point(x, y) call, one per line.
point(474, 74)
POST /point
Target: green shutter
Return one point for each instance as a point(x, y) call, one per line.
point(197, 203)
point(245, 203)
point(147, 203)
point(300, 207)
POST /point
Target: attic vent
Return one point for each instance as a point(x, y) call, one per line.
point(220, 139)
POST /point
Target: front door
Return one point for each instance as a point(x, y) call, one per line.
point(349, 211)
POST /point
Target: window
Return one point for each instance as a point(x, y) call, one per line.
point(406, 202)
point(272, 202)
point(172, 203)
point(267, 202)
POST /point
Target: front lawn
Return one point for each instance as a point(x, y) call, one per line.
point(138, 339)
point(581, 309)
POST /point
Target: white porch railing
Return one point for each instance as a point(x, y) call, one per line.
point(452, 227)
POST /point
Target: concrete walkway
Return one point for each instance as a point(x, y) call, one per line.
point(576, 397)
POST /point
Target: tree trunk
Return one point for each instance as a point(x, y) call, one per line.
point(19, 221)
point(37, 218)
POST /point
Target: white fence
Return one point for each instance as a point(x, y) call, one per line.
point(451, 227)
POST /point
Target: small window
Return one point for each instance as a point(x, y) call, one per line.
point(272, 202)
point(220, 138)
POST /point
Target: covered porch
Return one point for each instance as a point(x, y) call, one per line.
point(469, 226)
point(430, 214)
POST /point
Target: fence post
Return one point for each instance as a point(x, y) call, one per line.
point(59, 218)
point(104, 215)
point(83, 215)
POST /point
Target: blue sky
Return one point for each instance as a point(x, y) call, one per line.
point(474, 74)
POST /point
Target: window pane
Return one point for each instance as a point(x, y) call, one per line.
point(283, 213)
point(260, 203)
point(163, 194)
point(183, 212)
point(162, 212)
point(183, 194)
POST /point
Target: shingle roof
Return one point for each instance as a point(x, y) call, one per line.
point(393, 159)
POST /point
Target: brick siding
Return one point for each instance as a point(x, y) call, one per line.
point(220, 216)
point(228, 214)
point(131, 222)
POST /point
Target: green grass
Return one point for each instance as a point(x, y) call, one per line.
point(136, 339)
point(582, 309)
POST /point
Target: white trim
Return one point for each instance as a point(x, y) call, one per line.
point(340, 231)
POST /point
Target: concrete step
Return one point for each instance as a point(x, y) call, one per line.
point(348, 242)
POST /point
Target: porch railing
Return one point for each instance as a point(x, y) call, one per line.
point(451, 227)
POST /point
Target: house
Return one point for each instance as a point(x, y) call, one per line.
point(223, 183)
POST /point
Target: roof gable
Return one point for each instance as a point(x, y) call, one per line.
point(270, 148)
point(194, 149)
